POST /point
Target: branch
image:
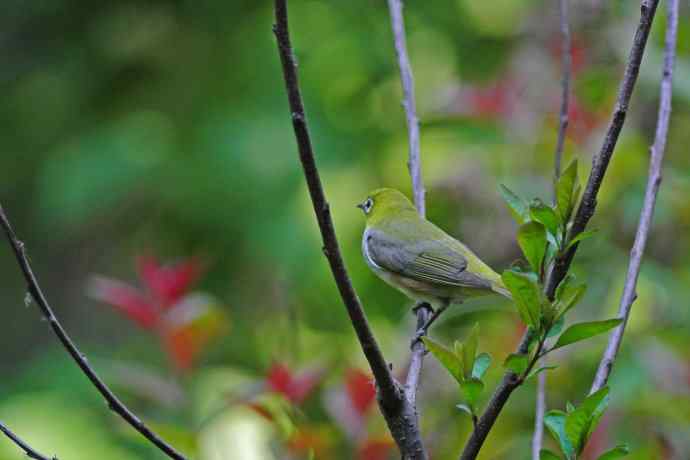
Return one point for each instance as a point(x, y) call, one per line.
point(540, 405)
point(413, 164)
point(415, 168)
point(113, 402)
point(28, 450)
point(653, 184)
point(584, 213)
point(539, 416)
point(565, 88)
point(400, 415)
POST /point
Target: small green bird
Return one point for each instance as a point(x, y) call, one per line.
point(418, 258)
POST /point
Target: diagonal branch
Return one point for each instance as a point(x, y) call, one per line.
point(399, 413)
point(585, 211)
point(113, 402)
point(28, 450)
point(540, 405)
point(653, 184)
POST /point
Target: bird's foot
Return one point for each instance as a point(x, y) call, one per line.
point(418, 306)
point(421, 332)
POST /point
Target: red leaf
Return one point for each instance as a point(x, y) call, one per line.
point(360, 389)
point(295, 388)
point(184, 344)
point(374, 449)
point(168, 283)
point(127, 299)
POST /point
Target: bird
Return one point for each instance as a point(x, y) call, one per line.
point(419, 259)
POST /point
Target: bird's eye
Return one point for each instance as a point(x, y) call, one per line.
point(368, 205)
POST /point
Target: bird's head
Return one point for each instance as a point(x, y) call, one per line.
point(383, 203)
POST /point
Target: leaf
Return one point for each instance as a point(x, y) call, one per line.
point(576, 428)
point(596, 403)
point(469, 351)
point(617, 452)
point(526, 295)
point(471, 389)
point(481, 364)
point(581, 422)
point(569, 407)
point(447, 358)
point(581, 236)
point(556, 327)
point(516, 205)
point(546, 454)
point(531, 238)
point(568, 296)
point(554, 420)
point(583, 331)
point(465, 408)
point(517, 363)
point(535, 372)
point(565, 186)
point(545, 215)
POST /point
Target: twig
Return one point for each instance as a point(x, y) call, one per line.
point(413, 164)
point(653, 184)
point(415, 168)
point(539, 416)
point(113, 402)
point(584, 213)
point(600, 162)
point(28, 450)
point(540, 404)
point(400, 415)
point(565, 88)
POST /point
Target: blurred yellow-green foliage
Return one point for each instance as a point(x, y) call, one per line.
point(161, 128)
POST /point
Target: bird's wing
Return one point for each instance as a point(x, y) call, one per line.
point(428, 261)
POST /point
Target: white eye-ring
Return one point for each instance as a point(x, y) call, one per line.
point(368, 205)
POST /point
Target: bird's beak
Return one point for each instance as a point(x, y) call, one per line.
point(360, 206)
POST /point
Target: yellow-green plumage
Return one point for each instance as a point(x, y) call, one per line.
point(418, 258)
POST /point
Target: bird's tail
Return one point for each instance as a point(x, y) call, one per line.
point(500, 288)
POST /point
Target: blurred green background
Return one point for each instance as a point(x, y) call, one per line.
point(135, 129)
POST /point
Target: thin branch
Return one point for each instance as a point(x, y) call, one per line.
point(584, 213)
point(113, 402)
point(565, 87)
point(653, 184)
point(400, 415)
point(415, 168)
point(539, 416)
point(28, 450)
point(600, 162)
point(540, 404)
point(413, 164)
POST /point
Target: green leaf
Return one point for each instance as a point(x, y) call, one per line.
point(531, 238)
point(447, 358)
point(554, 420)
point(569, 407)
point(481, 364)
point(596, 404)
point(535, 372)
point(565, 186)
point(567, 296)
point(556, 327)
point(616, 452)
point(545, 215)
point(516, 205)
point(471, 389)
point(546, 454)
point(581, 422)
point(469, 351)
point(526, 295)
point(516, 363)
point(465, 408)
point(583, 331)
point(581, 236)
